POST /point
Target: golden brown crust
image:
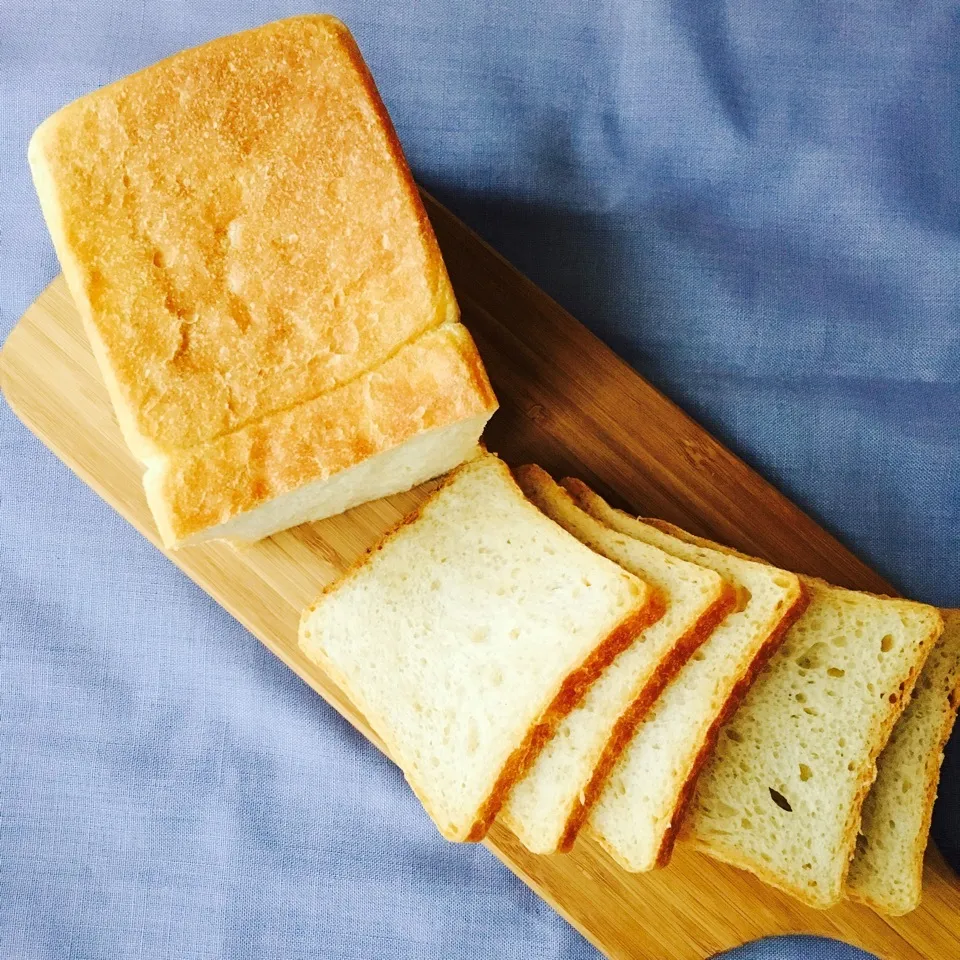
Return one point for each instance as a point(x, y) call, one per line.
point(767, 649)
point(626, 725)
point(433, 382)
point(239, 230)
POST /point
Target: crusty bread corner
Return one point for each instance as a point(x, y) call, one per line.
point(279, 252)
point(435, 382)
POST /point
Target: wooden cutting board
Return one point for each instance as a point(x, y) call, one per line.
point(573, 406)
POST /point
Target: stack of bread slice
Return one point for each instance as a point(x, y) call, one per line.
point(524, 649)
point(468, 634)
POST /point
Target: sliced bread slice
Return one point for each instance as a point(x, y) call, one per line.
point(782, 793)
point(887, 868)
point(636, 816)
point(547, 807)
point(466, 636)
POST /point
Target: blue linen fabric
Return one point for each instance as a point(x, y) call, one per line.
point(757, 204)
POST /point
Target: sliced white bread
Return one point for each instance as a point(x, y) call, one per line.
point(782, 793)
point(887, 867)
point(546, 808)
point(467, 634)
point(637, 813)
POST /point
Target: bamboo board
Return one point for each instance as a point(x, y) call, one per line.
point(573, 406)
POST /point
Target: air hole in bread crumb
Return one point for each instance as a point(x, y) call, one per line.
point(699, 656)
point(906, 786)
point(734, 736)
point(780, 800)
point(839, 641)
point(514, 634)
point(585, 582)
point(800, 698)
point(851, 766)
point(746, 823)
point(886, 644)
point(836, 672)
point(812, 657)
point(805, 772)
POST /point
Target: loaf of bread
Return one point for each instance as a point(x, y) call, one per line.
point(782, 793)
point(887, 868)
point(468, 634)
point(637, 815)
point(549, 805)
point(241, 235)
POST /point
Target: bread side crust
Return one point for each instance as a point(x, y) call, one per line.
point(630, 719)
point(431, 383)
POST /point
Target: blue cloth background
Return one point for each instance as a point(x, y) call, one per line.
point(758, 206)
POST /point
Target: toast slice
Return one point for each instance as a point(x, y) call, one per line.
point(637, 814)
point(549, 804)
point(782, 793)
point(887, 868)
point(466, 636)
point(280, 252)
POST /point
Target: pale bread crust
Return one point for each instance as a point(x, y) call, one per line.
point(239, 230)
point(868, 770)
point(435, 381)
point(932, 779)
point(531, 476)
point(569, 693)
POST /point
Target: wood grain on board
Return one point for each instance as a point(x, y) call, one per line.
point(573, 406)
